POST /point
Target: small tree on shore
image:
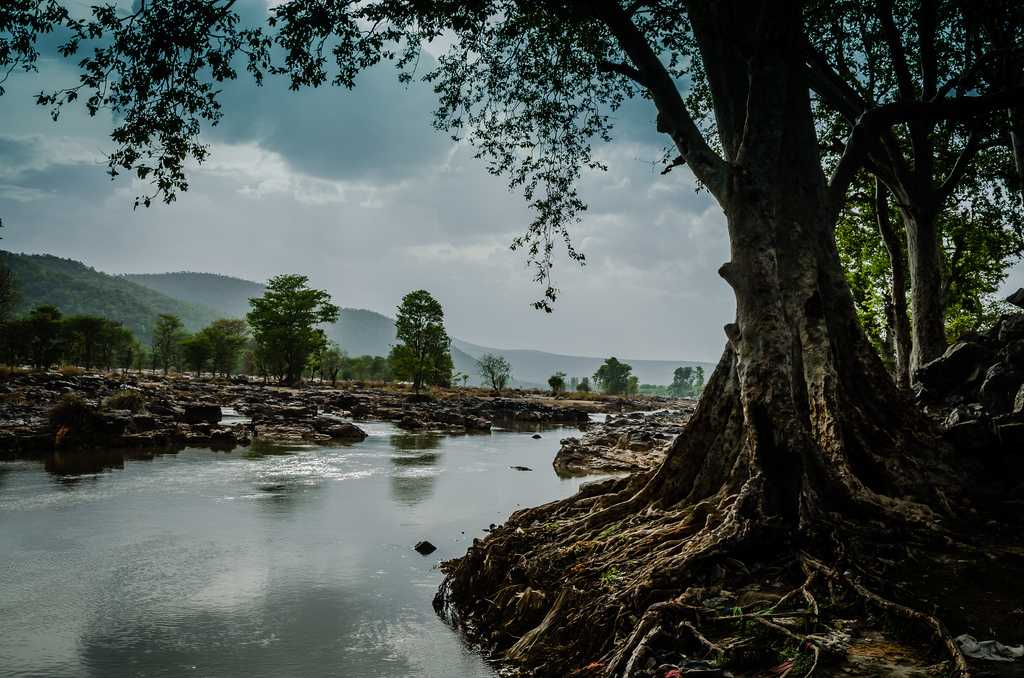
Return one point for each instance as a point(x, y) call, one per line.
point(196, 351)
point(226, 338)
point(557, 382)
point(167, 336)
point(331, 360)
point(613, 376)
point(423, 354)
point(495, 370)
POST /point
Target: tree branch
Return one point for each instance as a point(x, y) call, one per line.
point(622, 69)
point(673, 116)
point(967, 154)
point(827, 84)
point(896, 51)
point(957, 108)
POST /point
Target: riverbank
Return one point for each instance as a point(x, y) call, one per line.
point(46, 411)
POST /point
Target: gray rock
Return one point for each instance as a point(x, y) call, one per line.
point(962, 362)
point(1017, 298)
point(424, 548)
point(197, 413)
point(1011, 328)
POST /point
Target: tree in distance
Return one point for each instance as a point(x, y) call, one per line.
point(422, 354)
point(285, 324)
point(495, 370)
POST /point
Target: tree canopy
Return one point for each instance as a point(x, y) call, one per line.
point(495, 370)
point(286, 322)
point(422, 354)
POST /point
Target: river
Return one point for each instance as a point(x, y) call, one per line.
point(273, 562)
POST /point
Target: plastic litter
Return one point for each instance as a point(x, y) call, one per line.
point(991, 650)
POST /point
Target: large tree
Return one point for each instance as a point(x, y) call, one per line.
point(286, 324)
point(801, 442)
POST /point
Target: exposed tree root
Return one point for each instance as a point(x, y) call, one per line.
point(633, 572)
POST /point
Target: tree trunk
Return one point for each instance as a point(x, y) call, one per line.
point(927, 308)
point(799, 435)
point(902, 342)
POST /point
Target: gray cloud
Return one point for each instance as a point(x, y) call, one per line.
point(356, 190)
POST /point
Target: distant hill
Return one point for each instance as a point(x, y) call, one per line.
point(230, 296)
point(75, 288)
point(199, 298)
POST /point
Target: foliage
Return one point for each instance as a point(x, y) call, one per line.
point(196, 352)
point(226, 338)
point(687, 382)
point(8, 292)
point(423, 355)
point(168, 333)
point(632, 385)
point(557, 382)
point(584, 385)
point(494, 370)
point(126, 399)
point(73, 413)
point(613, 376)
point(286, 323)
point(76, 289)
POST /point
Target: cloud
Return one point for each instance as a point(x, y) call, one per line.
point(358, 191)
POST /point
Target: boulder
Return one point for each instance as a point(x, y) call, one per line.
point(1017, 298)
point(424, 547)
point(1011, 328)
point(962, 362)
point(345, 431)
point(1011, 436)
point(1018, 402)
point(999, 388)
point(198, 413)
point(974, 436)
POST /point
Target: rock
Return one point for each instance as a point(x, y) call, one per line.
point(1018, 402)
point(520, 468)
point(346, 431)
point(1011, 437)
point(974, 436)
point(999, 388)
point(536, 436)
point(424, 548)
point(962, 362)
point(1011, 328)
point(1017, 298)
point(196, 413)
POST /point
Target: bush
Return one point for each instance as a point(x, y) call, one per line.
point(72, 413)
point(126, 399)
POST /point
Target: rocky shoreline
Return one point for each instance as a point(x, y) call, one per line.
point(46, 412)
point(623, 443)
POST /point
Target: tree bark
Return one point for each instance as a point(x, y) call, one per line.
point(927, 307)
point(902, 342)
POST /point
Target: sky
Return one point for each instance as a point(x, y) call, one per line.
point(357, 191)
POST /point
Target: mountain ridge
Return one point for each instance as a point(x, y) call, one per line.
point(200, 297)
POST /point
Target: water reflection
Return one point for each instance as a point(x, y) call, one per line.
point(414, 474)
point(335, 627)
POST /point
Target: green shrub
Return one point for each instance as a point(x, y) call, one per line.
point(72, 413)
point(126, 399)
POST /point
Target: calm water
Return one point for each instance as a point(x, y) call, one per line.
point(244, 564)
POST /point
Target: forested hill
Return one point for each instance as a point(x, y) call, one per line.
point(359, 331)
point(230, 296)
point(363, 332)
point(75, 289)
point(199, 298)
